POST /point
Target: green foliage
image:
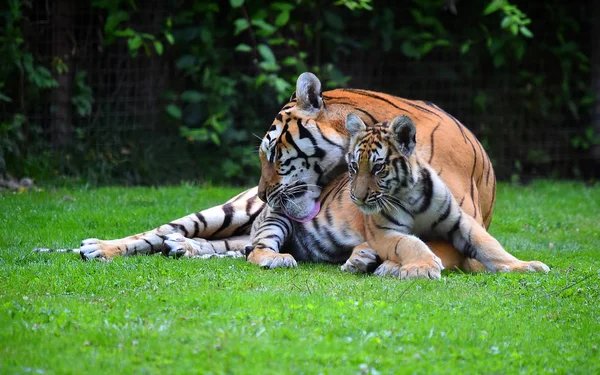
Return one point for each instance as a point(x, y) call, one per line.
point(157, 315)
point(233, 64)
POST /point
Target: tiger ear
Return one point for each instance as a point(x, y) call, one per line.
point(308, 92)
point(405, 131)
point(354, 124)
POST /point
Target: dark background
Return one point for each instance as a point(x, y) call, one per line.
point(156, 92)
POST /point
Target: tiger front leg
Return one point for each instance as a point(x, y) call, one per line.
point(363, 260)
point(269, 233)
point(406, 257)
point(220, 222)
point(474, 241)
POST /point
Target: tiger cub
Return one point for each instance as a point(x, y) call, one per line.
point(406, 203)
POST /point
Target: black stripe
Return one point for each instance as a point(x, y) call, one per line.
point(196, 229)
point(472, 176)
point(375, 96)
point(423, 109)
point(469, 250)
point(483, 165)
point(245, 228)
point(201, 218)
point(392, 220)
point(444, 214)
point(427, 191)
point(281, 222)
point(228, 211)
point(148, 242)
point(181, 228)
point(432, 142)
point(460, 126)
point(454, 228)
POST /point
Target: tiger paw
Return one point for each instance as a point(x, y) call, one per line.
point(176, 246)
point(521, 266)
point(388, 268)
point(93, 248)
point(425, 270)
point(271, 259)
point(362, 261)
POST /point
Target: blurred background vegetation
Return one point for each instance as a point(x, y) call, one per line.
point(155, 92)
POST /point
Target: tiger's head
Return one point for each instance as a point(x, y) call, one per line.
point(301, 152)
point(381, 162)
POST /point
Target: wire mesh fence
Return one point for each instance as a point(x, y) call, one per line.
point(127, 110)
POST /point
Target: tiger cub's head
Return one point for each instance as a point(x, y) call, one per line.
point(381, 162)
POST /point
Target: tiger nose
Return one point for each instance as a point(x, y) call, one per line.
point(360, 197)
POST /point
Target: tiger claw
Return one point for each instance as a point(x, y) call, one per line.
point(271, 259)
point(412, 270)
point(361, 262)
point(520, 266)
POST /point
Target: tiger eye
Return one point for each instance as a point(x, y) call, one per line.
point(377, 167)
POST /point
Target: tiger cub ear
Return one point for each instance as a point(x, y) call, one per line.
point(405, 131)
point(354, 124)
point(308, 92)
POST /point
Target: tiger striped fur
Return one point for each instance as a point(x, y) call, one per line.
point(389, 203)
point(406, 202)
point(302, 152)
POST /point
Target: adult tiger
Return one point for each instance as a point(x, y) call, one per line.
point(302, 151)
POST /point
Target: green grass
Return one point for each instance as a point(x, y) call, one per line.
point(59, 314)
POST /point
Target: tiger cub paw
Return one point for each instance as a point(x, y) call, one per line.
point(424, 270)
point(521, 266)
point(271, 259)
point(362, 261)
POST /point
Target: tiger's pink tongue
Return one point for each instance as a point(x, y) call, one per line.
point(310, 216)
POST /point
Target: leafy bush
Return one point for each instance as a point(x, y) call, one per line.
point(231, 65)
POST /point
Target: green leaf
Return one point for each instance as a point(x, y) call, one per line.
point(134, 43)
point(158, 46)
point(526, 32)
point(114, 19)
point(282, 7)
point(514, 29)
point(409, 50)
point(465, 47)
point(506, 21)
point(240, 25)
point(5, 98)
point(169, 37)
point(288, 61)
point(192, 96)
point(269, 66)
point(236, 3)
point(281, 85)
point(266, 53)
point(260, 80)
point(215, 138)
point(127, 33)
point(243, 48)
point(174, 111)
point(265, 28)
point(493, 6)
point(282, 19)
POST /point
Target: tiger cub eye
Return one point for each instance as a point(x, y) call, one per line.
point(377, 168)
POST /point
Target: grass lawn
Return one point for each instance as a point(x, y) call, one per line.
point(59, 314)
